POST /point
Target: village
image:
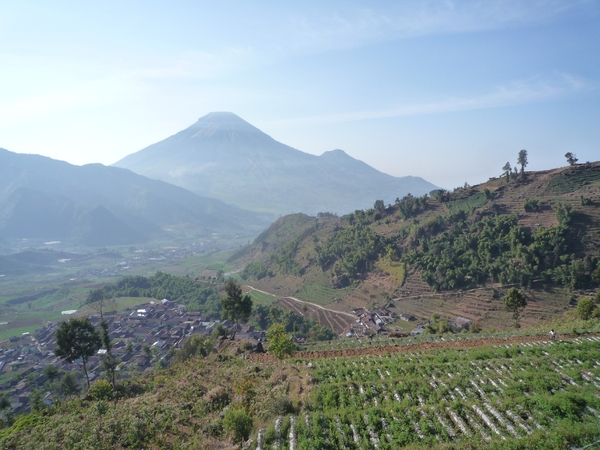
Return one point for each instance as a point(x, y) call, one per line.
point(375, 321)
point(143, 338)
point(147, 337)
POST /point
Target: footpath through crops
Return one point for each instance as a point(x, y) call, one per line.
point(533, 394)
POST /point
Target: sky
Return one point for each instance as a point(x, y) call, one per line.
point(445, 90)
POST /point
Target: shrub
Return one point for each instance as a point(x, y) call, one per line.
point(531, 205)
point(101, 390)
point(585, 308)
point(238, 422)
point(281, 406)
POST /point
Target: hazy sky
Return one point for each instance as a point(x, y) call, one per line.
point(446, 90)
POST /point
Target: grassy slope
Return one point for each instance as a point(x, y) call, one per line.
point(542, 393)
point(563, 185)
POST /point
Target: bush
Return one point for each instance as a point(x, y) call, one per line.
point(531, 205)
point(585, 308)
point(238, 422)
point(281, 406)
point(101, 390)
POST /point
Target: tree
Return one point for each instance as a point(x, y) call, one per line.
point(36, 400)
point(77, 339)
point(507, 167)
point(280, 343)
point(4, 402)
point(97, 300)
point(585, 308)
point(238, 422)
point(522, 160)
point(571, 159)
point(379, 206)
point(50, 372)
point(109, 362)
point(68, 384)
point(514, 302)
point(236, 307)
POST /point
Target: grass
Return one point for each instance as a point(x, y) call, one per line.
point(321, 295)
point(260, 298)
point(572, 179)
point(465, 204)
point(121, 304)
point(6, 333)
point(395, 269)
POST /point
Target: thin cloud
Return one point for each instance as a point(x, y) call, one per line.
point(521, 92)
point(348, 26)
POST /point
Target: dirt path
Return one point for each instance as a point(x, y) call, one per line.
point(467, 343)
point(307, 303)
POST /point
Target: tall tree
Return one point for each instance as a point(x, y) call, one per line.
point(97, 300)
point(77, 339)
point(514, 301)
point(522, 160)
point(109, 362)
point(237, 307)
point(571, 159)
point(379, 206)
point(507, 167)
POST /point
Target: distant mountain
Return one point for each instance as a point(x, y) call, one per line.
point(224, 157)
point(97, 205)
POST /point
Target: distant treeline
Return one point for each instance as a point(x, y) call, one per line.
point(196, 296)
point(265, 316)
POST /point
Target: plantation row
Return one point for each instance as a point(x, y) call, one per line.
point(540, 393)
point(383, 340)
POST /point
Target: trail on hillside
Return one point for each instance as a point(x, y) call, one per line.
point(421, 346)
point(303, 301)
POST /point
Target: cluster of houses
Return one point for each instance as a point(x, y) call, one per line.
point(142, 338)
point(371, 322)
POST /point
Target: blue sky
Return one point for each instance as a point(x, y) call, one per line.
point(446, 90)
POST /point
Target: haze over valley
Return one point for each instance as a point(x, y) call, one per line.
point(312, 225)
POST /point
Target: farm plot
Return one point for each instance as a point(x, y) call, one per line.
point(337, 321)
point(526, 395)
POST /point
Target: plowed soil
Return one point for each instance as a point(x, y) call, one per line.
point(335, 320)
point(467, 343)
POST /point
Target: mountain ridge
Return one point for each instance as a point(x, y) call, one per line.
point(45, 198)
point(223, 156)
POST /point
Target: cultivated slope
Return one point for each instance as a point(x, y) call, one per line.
point(223, 156)
point(454, 254)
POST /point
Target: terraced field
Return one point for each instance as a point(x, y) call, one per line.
point(540, 394)
point(337, 321)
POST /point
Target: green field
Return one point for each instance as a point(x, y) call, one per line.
point(260, 298)
point(395, 269)
point(465, 204)
point(541, 395)
point(321, 295)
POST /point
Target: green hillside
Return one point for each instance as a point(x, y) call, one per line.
point(511, 392)
point(451, 253)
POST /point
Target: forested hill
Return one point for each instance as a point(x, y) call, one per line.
point(536, 231)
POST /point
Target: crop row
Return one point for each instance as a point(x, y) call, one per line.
point(509, 392)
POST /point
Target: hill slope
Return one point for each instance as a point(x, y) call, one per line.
point(223, 156)
point(453, 254)
point(97, 205)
